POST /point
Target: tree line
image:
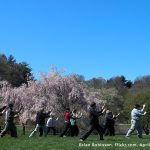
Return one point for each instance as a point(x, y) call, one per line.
point(15, 73)
point(119, 93)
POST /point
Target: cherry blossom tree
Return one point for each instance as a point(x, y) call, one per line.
point(52, 92)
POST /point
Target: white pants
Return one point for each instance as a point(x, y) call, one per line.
point(135, 125)
point(37, 128)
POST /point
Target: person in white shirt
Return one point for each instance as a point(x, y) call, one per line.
point(51, 123)
point(136, 120)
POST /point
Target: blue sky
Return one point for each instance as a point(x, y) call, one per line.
point(93, 38)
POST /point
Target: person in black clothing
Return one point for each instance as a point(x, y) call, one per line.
point(40, 123)
point(109, 127)
point(94, 122)
point(9, 121)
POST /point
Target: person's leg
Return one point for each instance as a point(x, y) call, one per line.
point(13, 130)
point(110, 128)
point(41, 130)
point(67, 127)
point(132, 128)
point(113, 130)
point(47, 130)
point(90, 130)
point(100, 131)
point(5, 130)
point(139, 129)
point(106, 130)
point(54, 130)
point(34, 131)
point(76, 130)
point(72, 129)
point(44, 130)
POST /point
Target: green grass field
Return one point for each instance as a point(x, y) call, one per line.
point(69, 143)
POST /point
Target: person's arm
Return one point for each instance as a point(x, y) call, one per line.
point(140, 113)
point(144, 105)
point(109, 118)
point(116, 116)
point(102, 109)
point(79, 115)
point(56, 119)
point(48, 113)
point(1, 109)
point(96, 113)
point(17, 112)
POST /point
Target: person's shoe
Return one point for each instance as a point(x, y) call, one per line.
point(81, 140)
point(127, 137)
point(64, 136)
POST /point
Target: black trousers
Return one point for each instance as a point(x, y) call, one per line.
point(49, 128)
point(9, 127)
point(109, 130)
point(67, 127)
point(41, 131)
point(74, 130)
point(90, 130)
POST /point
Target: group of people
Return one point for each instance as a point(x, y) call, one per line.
point(40, 123)
point(94, 115)
point(70, 122)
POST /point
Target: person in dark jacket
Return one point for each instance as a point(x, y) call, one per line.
point(109, 127)
point(9, 121)
point(94, 122)
point(40, 123)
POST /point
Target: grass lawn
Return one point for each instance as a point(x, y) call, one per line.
point(69, 143)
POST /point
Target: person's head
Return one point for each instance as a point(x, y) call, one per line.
point(67, 109)
point(10, 105)
point(93, 105)
point(42, 110)
point(137, 106)
point(74, 111)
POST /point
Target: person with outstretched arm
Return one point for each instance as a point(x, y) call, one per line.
point(40, 123)
point(9, 121)
point(94, 121)
point(136, 120)
point(51, 123)
point(109, 127)
point(73, 121)
point(67, 125)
